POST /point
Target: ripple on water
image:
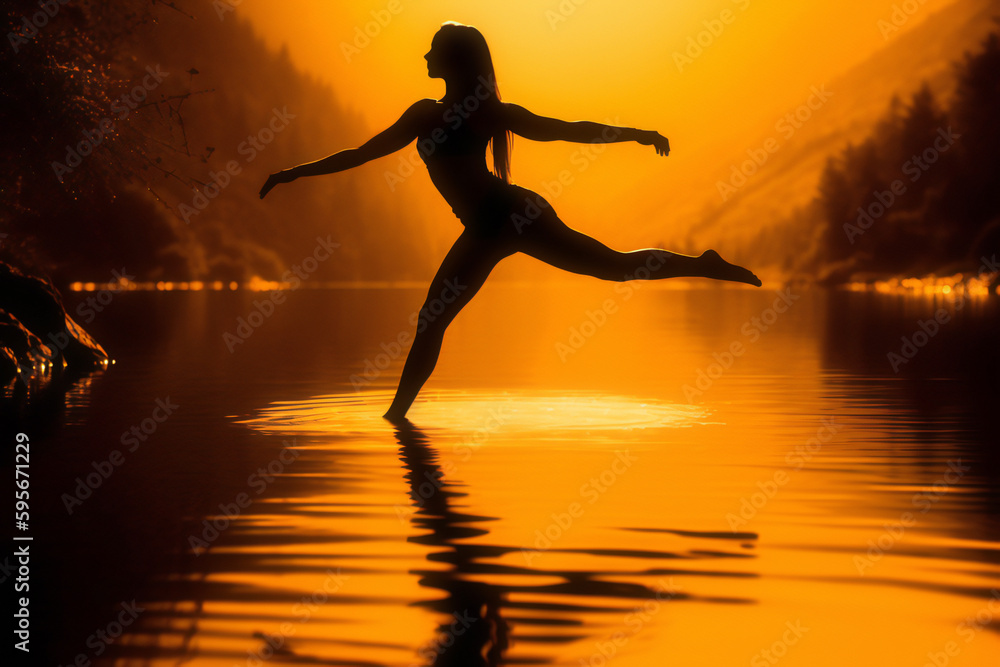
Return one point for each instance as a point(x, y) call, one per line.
point(521, 413)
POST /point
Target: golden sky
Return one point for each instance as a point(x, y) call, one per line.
point(598, 60)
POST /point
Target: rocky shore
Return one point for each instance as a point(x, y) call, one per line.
point(38, 338)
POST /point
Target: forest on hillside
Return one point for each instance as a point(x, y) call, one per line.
point(922, 193)
point(919, 195)
point(138, 133)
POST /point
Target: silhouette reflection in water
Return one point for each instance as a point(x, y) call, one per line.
point(478, 629)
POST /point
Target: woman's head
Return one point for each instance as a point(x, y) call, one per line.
point(459, 55)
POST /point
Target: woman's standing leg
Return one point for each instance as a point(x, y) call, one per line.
point(463, 271)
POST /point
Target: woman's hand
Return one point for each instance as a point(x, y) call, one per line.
point(283, 176)
point(656, 140)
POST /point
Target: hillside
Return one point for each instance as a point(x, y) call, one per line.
point(171, 192)
point(757, 221)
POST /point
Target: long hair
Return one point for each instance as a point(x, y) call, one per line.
point(470, 58)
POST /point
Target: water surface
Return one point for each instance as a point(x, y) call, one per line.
point(594, 475)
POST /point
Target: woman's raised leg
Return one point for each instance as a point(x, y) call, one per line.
point(550, 240)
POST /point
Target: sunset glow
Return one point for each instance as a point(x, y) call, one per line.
point(705, 375)
point(649, 65)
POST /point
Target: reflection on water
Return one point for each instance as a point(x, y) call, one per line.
point(311, 572)
point(807, 505)
point(549, 415)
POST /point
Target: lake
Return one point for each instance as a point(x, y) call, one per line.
point(596, 474)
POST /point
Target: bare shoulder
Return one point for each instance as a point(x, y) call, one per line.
point(515, 117)
point(420, 114)
point(518, 116)
point(422, 109)
point(425, 104)
point(528, 124)
point(512, 110)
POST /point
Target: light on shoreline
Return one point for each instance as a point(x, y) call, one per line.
point(959, 284)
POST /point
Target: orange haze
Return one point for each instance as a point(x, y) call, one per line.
point(604, 61)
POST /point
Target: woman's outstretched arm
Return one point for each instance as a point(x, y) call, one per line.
point(398, 135)
point(540, 128)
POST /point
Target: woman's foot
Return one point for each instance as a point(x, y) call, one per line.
point(719, 269)
point(395, 416)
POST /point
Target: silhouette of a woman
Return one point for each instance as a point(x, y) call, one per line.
point(500, 218)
